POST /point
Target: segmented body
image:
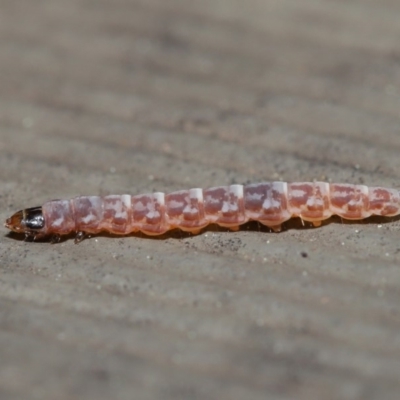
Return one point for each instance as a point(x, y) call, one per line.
point(270, 203)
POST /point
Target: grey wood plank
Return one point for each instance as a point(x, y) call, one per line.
point(136, 96)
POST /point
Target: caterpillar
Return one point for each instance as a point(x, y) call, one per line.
point(270, 203)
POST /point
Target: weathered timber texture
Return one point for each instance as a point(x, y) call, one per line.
point(100, 97)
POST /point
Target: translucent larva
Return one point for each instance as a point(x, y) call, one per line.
point(270, 203)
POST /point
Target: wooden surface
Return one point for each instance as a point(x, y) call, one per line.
point(120, 96)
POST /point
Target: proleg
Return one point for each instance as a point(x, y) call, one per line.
point(270, 203)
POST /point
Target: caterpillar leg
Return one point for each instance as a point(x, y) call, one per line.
point(276, 228)
point(55, 239)
point(79, 237)
point(29, 237)
point(32, 236)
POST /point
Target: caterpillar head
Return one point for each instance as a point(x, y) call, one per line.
point(29, 221)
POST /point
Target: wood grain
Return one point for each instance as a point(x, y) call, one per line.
point(101, 97)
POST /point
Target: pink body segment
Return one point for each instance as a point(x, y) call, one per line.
point(270, 203)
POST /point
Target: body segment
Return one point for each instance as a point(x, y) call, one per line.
point(270, 203)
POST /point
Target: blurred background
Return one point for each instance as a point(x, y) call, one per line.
point(132, 96)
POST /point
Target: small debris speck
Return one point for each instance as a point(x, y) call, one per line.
point(304, 254)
